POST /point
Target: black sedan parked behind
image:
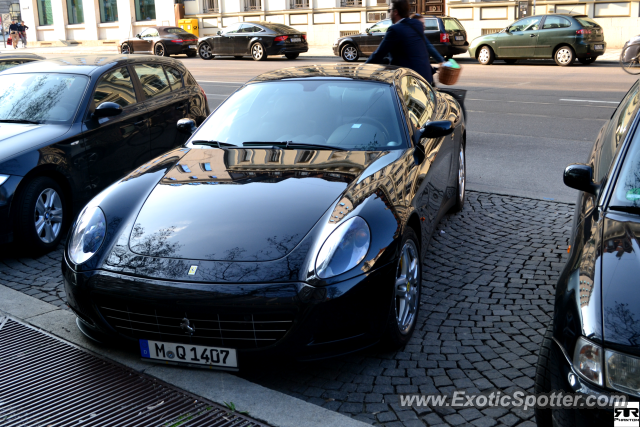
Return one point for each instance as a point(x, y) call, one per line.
point(592, 346)
point(70, 127)
point(300, 237)
point(161, 41)
point(258, 39)
point(446, 34)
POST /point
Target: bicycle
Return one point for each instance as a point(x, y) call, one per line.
point(630, 56)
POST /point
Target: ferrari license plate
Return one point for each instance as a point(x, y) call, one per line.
point(296, 40)
point(187, 353)
point(598, 47)
point(459, 37)
point(192, 46)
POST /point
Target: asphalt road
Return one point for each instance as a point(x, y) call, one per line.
point(526, 121)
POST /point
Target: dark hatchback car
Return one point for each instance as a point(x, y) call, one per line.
point(592, 346)
point(161, 41)
point(258, 39)
point(446, 34)
point(563, 37)
point(300, 238)
point(10, 60)
point(72, 126)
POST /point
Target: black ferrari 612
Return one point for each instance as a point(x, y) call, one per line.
point(261, 236)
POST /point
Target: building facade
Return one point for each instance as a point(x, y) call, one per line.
point(91, 22)
point(619, 20)
point(103, 22)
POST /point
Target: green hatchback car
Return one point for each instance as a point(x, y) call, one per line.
point(563, 37)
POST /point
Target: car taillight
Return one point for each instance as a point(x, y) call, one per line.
point(177, 41)
point(444, 38)
point(583, 32)
point(304, 37)
point(280, 38)
point(190, 41)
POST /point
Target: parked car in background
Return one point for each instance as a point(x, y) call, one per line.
point(71, 127)
point(258, 39)
point(592, 344)
point(8, 60)
point(161, 41)
point(445, 33)
point(322, 253)
point(562, 37)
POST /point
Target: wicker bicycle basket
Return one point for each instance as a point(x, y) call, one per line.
point(448, 76)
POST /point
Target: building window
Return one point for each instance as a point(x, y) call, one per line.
point(211, 6)
point(351, 3)
point(75, 13)
point(108, 11)
point(376, 16)
point(252, 5)
point(45, 14)
point(145, 10)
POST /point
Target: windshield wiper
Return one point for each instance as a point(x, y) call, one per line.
point(28, 122)
point(213, 143)
point(628, 209)
point(291, 145)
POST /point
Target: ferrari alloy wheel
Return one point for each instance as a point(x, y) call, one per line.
point(205, 51)
point(257, 52)
point(407, 287)
point(125, 49)
point(486, 56)
point(159, 50)
point(462, 181)
point(564, 56)
point(350, 53)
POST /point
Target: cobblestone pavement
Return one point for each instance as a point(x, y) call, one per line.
point(487, 295)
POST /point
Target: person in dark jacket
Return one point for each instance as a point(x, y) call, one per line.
point(406, 43)
point(13, 29)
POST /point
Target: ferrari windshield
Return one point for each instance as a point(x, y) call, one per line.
point(40, 97)
point(349, 115)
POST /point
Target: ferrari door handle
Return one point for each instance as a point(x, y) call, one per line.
point(180, 107)
point(532, 35)
point(140, 123)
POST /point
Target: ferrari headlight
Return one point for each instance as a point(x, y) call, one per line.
point(623, 372)
point(587, 360)
point(88, 234)
point(345, 248)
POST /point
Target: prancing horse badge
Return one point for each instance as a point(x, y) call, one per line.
point(192, 270)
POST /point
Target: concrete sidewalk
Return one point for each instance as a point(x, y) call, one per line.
point(273, 407)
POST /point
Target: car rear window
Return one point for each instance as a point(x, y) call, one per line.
point(281, 29)
point(587, 22)
point(176, 31)
point(452, 25)
point(351, 115)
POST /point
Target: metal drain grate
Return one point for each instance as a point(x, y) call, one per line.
point(46, 382)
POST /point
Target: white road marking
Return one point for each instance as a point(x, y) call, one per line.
point(589, 100)
point(216, 95)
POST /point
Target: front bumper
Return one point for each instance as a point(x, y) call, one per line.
point(7, 193)
point(323, 321)
point(588, 50)
point(583, 417)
